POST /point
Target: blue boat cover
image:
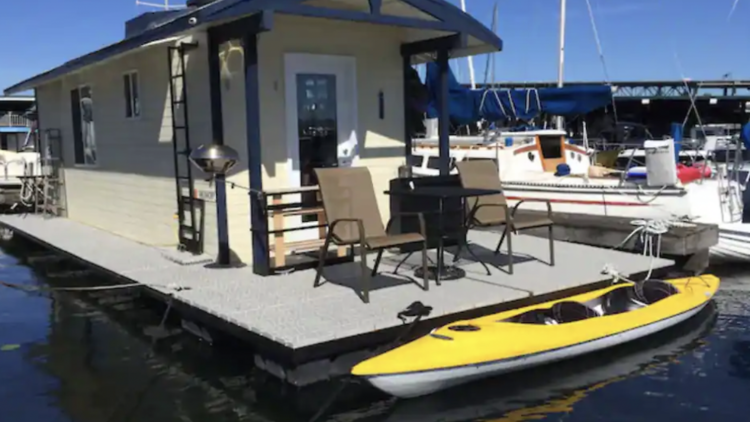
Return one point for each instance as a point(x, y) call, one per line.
point(472, 105)
point(745, 135)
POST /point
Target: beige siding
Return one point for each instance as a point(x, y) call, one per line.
point(131, 191)
point(378, 64)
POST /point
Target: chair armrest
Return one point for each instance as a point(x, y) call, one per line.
point(419, 215)
point(549, 206)
point(476, 208)
point(360, 227)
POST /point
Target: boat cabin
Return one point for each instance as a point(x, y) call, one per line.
point(516, 153)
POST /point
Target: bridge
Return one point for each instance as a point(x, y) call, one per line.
point(640, 90)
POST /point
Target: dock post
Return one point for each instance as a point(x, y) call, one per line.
point(443, 113)
point(217, 131)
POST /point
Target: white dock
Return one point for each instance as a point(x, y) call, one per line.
point(289, 311)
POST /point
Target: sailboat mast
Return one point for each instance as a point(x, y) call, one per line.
point(468, 58)
point(561, 58)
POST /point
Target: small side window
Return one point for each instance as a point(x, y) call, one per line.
point(132, 95)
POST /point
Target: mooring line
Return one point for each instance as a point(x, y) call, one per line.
point(171, 286)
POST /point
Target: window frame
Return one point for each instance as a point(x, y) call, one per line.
point(132, 94)
point(78, 138)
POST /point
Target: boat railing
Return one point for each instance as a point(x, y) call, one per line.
point(14, 120)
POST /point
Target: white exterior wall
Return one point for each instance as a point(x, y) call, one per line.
point(131, 191)
point(379, 67)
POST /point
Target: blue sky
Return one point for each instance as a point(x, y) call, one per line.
point(640, 38)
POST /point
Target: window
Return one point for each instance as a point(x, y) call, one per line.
point(132, 95)
point(84, 139)
point(551, 146)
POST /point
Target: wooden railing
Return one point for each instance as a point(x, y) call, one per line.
point(279, 211)
point(14, 120)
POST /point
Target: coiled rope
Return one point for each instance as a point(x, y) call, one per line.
point(650, 234)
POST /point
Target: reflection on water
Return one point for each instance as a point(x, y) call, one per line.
point(89, 358)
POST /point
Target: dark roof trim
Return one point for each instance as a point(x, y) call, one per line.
point(451, 19)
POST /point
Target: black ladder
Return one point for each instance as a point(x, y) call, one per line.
point(189, 233)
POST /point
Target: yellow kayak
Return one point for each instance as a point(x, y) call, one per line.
point(465, 351)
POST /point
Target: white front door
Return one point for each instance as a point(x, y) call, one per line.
point(321, 124)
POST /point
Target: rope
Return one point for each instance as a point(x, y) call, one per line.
point(172, 287)
point(650, 234)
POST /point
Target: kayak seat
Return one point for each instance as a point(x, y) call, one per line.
point(534, 316)
point(652, 291)
point(620, 300)
point(569, 311)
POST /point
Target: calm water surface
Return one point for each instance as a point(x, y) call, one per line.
point(89, 358)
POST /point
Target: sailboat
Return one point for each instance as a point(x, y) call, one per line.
point(542, 164)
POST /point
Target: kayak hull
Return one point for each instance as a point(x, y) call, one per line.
point(415, 384)
point(509, 341)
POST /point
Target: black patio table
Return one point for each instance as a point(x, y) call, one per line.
point(442, 271)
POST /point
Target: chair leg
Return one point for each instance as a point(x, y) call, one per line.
point(377, 263)
point(510, 250)
point(502, 239)
point(424, 267)
point(321, 262)
point(464, 241)
point(366, 276)
point(551, 248)
point(400, 263)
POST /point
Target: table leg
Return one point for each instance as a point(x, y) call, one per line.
point(441, 261)
point(441, 271)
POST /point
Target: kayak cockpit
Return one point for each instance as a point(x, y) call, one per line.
point(623, 299)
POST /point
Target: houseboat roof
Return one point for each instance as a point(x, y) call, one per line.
point(433, 16)
point(17, 104)
point(17, 99)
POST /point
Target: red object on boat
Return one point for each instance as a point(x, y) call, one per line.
point(688, 174)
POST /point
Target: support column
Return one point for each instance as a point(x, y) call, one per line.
point(217, 132)
point(258, 221)
point(443, 113)
point(408, 129)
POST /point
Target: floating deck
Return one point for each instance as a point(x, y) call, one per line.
point(686, 243)
point(287, 311)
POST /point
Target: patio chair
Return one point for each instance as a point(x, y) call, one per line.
point(492, 210)
point(354, 219)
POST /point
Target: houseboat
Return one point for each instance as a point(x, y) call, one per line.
point(18, 148)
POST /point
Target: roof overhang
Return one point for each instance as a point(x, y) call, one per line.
point(436, 16)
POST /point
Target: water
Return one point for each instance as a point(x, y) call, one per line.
point(73, 357)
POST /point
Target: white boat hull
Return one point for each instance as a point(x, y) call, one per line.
point(415, 384)
point(734, 244)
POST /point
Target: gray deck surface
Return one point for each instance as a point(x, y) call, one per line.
point(287, 309)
